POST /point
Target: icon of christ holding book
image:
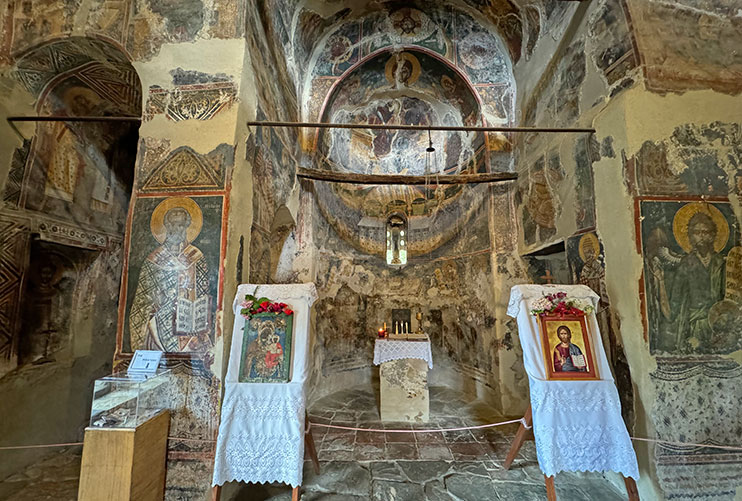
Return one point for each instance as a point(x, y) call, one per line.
point(567, 356)
point(170, 311)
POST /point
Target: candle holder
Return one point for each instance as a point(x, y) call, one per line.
point(419, 317)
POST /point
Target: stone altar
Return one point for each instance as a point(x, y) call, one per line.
point(403, 379)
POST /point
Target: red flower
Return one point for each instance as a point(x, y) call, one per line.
point(288, 311)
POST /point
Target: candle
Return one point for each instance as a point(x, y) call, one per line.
point(396, 328)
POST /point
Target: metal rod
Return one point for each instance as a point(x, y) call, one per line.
point(417, 127)
point(64, 118)
point(396, 179)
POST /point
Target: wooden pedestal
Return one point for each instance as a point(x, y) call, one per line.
point(123, 464)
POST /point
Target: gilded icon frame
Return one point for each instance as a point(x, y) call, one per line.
point(581, 337)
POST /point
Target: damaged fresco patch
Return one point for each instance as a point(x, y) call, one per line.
point(194, 95)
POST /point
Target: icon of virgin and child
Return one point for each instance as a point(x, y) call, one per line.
point(567, 356)
point(265, 358)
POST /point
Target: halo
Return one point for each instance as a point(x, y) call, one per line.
point(591, 240)
point(156, 224)
point(391, 67)
point(686, 212)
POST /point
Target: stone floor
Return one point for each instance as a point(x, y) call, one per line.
point(54, 478)
point(436, 466)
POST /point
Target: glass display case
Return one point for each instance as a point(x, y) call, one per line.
point(127, 400)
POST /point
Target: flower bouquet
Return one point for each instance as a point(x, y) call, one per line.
point(252, 306)
point(559, 304)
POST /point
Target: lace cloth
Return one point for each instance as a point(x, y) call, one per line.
point(577, 424)
point(388, 349)
point(261, 433)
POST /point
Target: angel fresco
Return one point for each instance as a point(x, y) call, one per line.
point(690, 299)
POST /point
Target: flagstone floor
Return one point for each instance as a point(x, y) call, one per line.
point(437, 466)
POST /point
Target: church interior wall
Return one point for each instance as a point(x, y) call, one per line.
point(671, 167)
point(186, 160)
point(64, 204)
point(658, 81)
point(653, 154)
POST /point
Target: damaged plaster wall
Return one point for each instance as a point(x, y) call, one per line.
point(185, 161)
point(629, 193)
point(65, 194)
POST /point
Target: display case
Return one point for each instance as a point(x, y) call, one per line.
point(127, 400)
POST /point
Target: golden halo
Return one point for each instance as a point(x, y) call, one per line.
point(686, 212)
point(391, 68)
point(589, 239)
point(156, 224)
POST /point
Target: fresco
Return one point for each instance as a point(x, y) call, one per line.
point(75, 171)
point(172, 279)
point(541, 206)
point(342, 50)
point(474, 46)
point(480, 55)
point(696, 160)
point(673, 66)
point(692, 276)
point(586, 152)
point(609, 31)
point(695, 400)
point(182, 168)
point(98, 64)
point(404, 26)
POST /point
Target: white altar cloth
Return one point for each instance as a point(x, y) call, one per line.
point(577, 424)
point(394, 349)
point(261, 434)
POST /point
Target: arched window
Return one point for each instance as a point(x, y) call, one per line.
point(396, 240)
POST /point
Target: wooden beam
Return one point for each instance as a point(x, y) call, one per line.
point(462, 128)
point(397, 179)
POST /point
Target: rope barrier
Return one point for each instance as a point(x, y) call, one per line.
point(376, 430)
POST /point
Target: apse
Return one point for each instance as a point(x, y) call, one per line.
point(408, 87)
point(426, 250)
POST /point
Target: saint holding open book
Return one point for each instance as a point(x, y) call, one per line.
point(170, 311)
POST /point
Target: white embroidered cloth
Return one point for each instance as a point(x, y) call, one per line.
point(577, 424)
point(261, 434)
point(392, 349)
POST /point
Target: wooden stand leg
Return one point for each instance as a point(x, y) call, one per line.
point(550, 489)
point(295, 493)
point(216, 493)
point(631, 489)
point(309, 440)
point(520, 437)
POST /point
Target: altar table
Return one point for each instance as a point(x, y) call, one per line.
point(403, 379)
